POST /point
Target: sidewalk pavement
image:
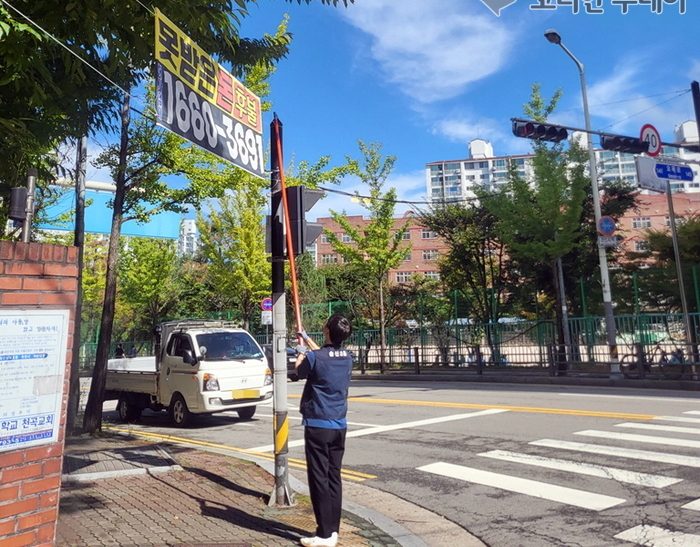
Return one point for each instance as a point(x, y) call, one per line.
point(119, 490)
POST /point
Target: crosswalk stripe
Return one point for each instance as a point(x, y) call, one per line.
point(395, 427)
point(655, 536)
point(693, 505)
point(649, 439)
point(659, 457)
point(667, 428)
point(591, 470)
point(543, 490)
point(695, 412)
point(679, 419)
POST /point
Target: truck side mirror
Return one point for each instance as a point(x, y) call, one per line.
point(188, 357)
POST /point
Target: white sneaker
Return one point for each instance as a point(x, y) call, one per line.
point(316, 541)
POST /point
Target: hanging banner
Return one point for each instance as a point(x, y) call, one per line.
point(202, 102)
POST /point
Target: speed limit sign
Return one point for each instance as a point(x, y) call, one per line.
point(650, 134)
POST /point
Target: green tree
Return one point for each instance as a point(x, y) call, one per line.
point(376, 248)
point(233, 246)
point(148, 283)
point(476, 262)
point(657, 265)
point(539, 219)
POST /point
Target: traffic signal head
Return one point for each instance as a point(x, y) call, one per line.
point(300, 200)
point(629, 145)
point(539, 131)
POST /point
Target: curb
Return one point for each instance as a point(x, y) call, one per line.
point(75, 478)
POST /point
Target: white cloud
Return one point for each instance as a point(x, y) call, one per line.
point(623, 102)
point(431, 50)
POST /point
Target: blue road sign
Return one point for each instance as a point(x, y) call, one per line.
point(674, 172)
point(606, 226)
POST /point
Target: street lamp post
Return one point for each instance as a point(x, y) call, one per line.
point(555, 38)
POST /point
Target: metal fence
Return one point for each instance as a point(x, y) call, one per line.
point(649, 346)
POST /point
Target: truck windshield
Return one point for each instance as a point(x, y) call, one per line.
point(221, 346)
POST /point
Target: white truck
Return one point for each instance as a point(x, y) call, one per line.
point(200, 367)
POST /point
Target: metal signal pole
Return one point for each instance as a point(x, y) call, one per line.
point(282, 493)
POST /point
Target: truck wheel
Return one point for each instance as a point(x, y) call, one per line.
point(180, 415)
point(128, 411)
point(246, 413)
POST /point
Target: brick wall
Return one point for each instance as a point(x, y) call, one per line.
point(35, 275)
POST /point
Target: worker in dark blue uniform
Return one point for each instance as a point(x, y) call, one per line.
point(324, 406)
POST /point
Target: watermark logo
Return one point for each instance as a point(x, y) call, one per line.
point(595, 7)
point(497, 5)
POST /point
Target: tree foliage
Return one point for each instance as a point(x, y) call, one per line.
point(233, 246)
point(376, 248)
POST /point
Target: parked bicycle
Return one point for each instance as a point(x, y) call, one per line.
point(656, 362)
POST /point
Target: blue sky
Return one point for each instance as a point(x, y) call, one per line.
point(423, 77)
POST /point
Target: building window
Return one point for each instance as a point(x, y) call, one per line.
point(408, 258)
point(345, 238)
point(406, 235)
point(641, 246)
point(432, 275)
point(325, 238)
point(641, 222)
point(428, 234)
point(403, 277)
point(430, 254)
point(329, 259)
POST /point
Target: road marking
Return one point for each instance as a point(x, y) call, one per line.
point(601, 396)
point(543, 490)
point(592, 470)
point(667, 428)
point(692, 412)
point(693, 505)
point(293, 462)
point(679, 419)
point(649, 439)
point(654, 536)
point(525, 409)
point(385, 428)
point(300, 418)
point(646, 455)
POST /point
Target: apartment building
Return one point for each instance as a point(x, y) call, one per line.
point(455, 180)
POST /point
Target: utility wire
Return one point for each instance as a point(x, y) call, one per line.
point(652, 107)
point(595, 105)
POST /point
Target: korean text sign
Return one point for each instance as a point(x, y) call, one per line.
point(33, 347)
point(202, 102)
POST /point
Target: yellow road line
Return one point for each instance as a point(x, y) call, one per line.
point(348, 474)
point(526, 409)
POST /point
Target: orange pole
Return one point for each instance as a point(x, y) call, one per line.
point(290, 248)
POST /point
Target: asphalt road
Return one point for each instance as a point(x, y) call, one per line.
point(514, 464)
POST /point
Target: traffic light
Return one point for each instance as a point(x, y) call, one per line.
point(539, 131)
point(629, 145)
point(300, 199)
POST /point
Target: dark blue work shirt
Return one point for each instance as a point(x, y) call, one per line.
point(324, 402)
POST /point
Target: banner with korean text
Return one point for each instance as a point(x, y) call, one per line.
point(202, 102)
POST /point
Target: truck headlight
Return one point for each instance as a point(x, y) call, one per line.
point(210, 383)
point(268, 377)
